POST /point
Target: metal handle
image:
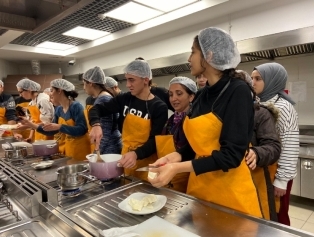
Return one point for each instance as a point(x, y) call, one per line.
point(90, 177)
point(307, 165)
point(51, 145)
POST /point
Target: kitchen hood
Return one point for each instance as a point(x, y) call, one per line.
point(268, 47)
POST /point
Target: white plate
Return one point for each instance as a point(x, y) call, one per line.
point(42, 165)
point(160, 202)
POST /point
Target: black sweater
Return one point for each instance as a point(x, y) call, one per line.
point(235, 110)
point(157, 113)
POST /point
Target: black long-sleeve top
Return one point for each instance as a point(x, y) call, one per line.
point(235, 109)
point(126, 103)
point(7, 102)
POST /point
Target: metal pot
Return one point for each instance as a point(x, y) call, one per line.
point(7, 139)
point(107, 169)
point(17, 153)
point(46, 147)
point(71, 177)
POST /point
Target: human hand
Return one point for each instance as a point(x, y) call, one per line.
point(165, 175)
point(51, 127)
point(128, 160)
point(170, 158)
point(95, 136)
point(279, 192)
point(251, 159)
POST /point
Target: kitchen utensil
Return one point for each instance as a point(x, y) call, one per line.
point(98, 156)
point(42, 165)
point(107, 169)
point(156, 226)
point(156, 206)
point(45, 147)
point(17, 153)
point(72, 177)
point(146, 168)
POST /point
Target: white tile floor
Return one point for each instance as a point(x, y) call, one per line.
point(301, 212)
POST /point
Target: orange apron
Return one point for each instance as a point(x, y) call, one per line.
point(135, 133)
point(165, 146)
point(75, 147)
point(87, 108)
point(26, 132)
point(35, 115)
point(234, 189)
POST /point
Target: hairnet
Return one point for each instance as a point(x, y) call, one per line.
point(110, 82)
point(218, 48)
point(62, 84)
point(1, 83)
point(47, 90)
point(139, 68)
point(185, 81)
point(95, 75)
point(28, 84)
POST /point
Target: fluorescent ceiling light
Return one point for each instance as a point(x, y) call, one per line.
point(133, 13)
point(86, 33)
point(53, 45)
point(166, 5)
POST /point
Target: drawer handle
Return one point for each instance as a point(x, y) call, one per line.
point(307, 165)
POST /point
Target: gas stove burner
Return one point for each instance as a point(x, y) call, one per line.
point(47, 157)
point(71, 193)
point(17, 163)
point(106, 181)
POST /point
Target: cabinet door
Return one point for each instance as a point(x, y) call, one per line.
point(296, 185)
point(307, 178)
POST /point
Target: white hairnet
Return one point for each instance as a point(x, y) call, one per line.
point(218, 49)
point(110, 82)
point(62, 84)
point(139, 68)
point(189, 83)
point(47, 90)
point(28, 84)
point(1, 83)
point(95, 75)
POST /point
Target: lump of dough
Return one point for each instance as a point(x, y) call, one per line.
point(152, 175)
point(147, 201)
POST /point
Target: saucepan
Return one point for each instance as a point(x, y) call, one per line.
point(107, 169)
point(72, 177)
point(45, 147)
point(15, 153)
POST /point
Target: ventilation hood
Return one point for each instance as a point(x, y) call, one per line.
point(269, 47)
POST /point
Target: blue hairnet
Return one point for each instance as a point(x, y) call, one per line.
point(139, 68)
point(189, 83)
point(28, 84)
point(218, 49)
point(95, 75)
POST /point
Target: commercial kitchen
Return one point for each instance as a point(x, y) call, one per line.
point(44, 40)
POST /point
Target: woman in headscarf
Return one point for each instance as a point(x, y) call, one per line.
point(94, 85)
point(144, 116)
point(68, 124)
point(181, 94)
point(269, 81)
point(218, 129)
point(40, 108)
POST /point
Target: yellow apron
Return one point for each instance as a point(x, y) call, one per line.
point(165, 146)
point(3, 120)
point(234, 189)
point(35, 114)
point(87, 108)
point(26, 132)
point(75, 147)
point(135, 133)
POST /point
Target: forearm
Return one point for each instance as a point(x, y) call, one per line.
point(74, 131)
point(182, 167)
point(148, 149)
point(47, 133)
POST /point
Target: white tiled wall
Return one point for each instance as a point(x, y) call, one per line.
point(299, 68)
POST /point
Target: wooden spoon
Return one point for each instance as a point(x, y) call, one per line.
point(98, 157)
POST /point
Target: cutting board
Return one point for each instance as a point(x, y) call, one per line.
point(158, 227)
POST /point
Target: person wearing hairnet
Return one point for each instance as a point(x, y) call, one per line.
point(112, 86)
point(144, 116)
point(94, 85)
point(40, 108)
point(269, 81)
point(181, 94)
point(69, 124)
point(201, 81)
point(218, 129)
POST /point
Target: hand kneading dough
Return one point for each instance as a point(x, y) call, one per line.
point(152, 175)
point(138, 205)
